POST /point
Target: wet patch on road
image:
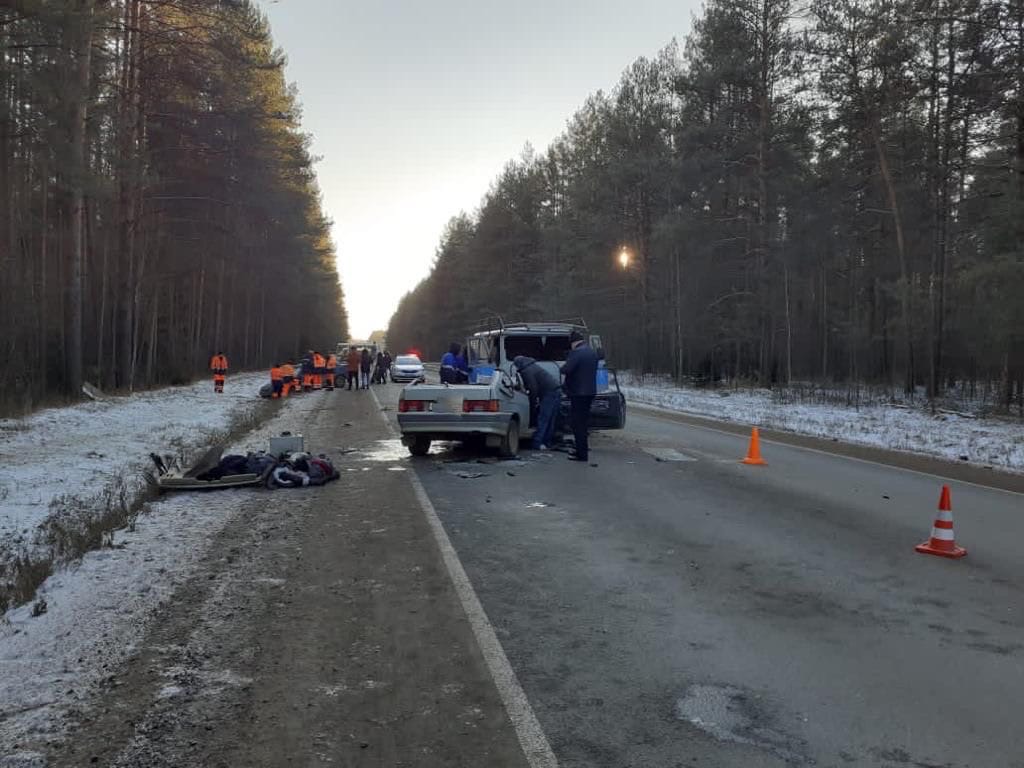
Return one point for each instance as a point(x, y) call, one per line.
point(667, 454)
point(732, 714)
point(384, 450)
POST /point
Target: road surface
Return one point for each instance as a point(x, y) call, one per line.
point(674, 607)
point(668, 607)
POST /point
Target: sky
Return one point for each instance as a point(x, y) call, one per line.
point(415, 106)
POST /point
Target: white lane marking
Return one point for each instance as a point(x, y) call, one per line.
point(663, 414)
point(534, 743)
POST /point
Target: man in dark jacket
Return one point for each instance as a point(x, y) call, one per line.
point(546, 393)
point(580, 372)
point(365, 364)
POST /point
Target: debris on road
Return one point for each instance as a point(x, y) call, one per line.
point(287, 465)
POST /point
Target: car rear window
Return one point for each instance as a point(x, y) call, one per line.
point(407, 360)
point(538, 347)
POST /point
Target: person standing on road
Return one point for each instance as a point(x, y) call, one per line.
point(352, 373)
point(307, 372)
point(332, 365)
point(365, 363)
point(580, 372)
point(387, 365)
point(546, 394)
point(319, 370)
point(378, 373)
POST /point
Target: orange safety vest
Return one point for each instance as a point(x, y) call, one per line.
point(332, 363)
point(287, 372)
point(219, 363)
point(318, 360)
point(276, 374)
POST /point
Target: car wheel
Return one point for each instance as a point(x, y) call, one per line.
point(510, 442)
point(420, 446)
point(620, 422)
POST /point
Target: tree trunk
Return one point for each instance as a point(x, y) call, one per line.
point(79, 173)
point(901, 252)
point(789, 326)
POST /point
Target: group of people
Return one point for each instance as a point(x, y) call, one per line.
point(365, 367)
point(316, 372)
point(579, 379)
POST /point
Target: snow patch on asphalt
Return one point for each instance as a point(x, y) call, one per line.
point(731, 714)
point(983, 441)
point(99, 609)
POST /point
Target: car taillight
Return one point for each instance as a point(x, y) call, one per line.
point(480, 406)
point(412, 406)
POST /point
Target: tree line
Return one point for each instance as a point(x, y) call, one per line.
point(832, 192)
point(158, 200)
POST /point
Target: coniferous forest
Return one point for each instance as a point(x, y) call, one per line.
point(830, 192)
point(158, 200)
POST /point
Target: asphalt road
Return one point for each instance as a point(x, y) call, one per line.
point(321, 629)
point(672, 607)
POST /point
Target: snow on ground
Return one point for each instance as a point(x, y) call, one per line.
point(99, 609)
point(986, 442)
point(82, 449)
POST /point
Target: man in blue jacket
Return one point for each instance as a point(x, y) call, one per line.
point(454, 369)
point(580, 372)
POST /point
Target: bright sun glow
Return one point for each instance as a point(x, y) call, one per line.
point(624, 258)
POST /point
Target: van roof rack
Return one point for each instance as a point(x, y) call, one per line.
point(488, 323)
point(497, 323)
point(576, 322)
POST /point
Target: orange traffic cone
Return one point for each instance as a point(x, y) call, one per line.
point(942, 541)
point(754, 451)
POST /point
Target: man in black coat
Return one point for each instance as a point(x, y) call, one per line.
point(580, 372)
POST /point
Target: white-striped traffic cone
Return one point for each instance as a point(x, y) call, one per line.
point(942, 541)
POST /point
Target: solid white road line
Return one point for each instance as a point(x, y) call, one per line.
point(531, 736)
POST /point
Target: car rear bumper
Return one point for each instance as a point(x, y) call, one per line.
point(395, 376)
point(453, 426)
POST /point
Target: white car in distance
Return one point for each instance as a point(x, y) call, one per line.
point(407, 368)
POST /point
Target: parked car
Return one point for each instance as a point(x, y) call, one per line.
point(406, 368)
point(493, 406)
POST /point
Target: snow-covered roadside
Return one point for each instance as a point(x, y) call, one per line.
point(985, 442)
point(98, 610)
point(82, 449)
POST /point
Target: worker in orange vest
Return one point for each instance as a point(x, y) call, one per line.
point(287, 379)
point(332, 364)
point(276, 381)
point(353, 367)
point(319, 369)
point(308, 366)
point(219, 366)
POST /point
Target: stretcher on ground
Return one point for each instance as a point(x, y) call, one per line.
point(189, 480)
